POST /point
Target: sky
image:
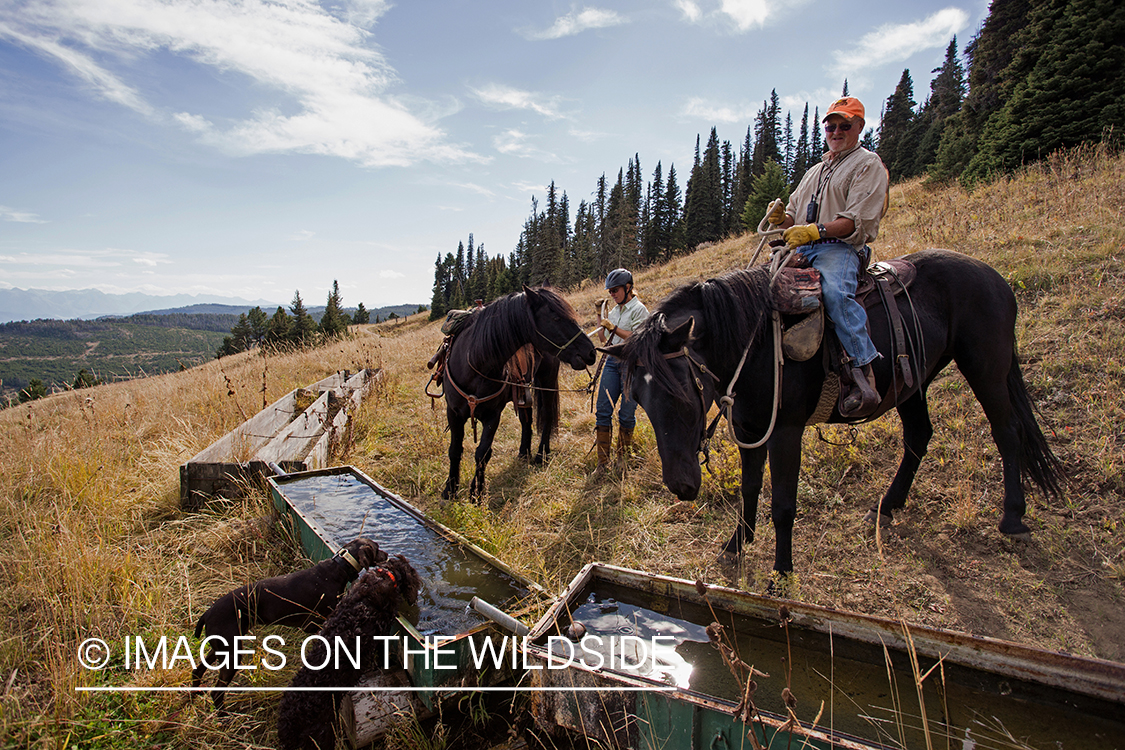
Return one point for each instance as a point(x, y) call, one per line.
point(253, 149)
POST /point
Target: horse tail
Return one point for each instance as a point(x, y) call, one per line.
point(1037, 461)
point(547, 395)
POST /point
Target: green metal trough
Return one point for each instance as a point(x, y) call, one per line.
point(835, 679)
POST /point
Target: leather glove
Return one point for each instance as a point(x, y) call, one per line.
point(608, 326)
point(776, 213)
point(801, 234)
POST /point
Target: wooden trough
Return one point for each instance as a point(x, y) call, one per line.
point(329, 507)
point(826, 678)
point(296, 432)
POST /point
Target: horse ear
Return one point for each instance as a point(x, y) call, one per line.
point(675, 338)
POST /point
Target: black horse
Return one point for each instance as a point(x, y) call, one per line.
point(682, 360)
point(475, 385)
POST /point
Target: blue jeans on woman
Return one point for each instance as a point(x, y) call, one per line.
point(609, 390)
point(839, 267)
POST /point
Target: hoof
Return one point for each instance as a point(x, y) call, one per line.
point(1020, 534)
point(872, 517)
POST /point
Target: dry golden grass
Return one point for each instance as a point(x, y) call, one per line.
point(93, 542)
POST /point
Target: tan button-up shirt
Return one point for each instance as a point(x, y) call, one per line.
point(853, 185)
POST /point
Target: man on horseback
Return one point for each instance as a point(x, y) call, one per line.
point(842, 200)
point(618, 325)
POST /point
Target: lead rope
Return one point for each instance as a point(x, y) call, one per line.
point(726, 403)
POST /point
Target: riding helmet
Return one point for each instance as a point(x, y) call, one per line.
point(618, 277)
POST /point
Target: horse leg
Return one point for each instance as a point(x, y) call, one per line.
point(753, 464)
point(456, 437)
point(525, 432)
point(990, 385)
point(483, 455)
point(916, 433)
point(785, 468)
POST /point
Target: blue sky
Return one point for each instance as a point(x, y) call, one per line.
point(248, 149)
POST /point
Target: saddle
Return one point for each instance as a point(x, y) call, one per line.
point(519, 372)
point(797, 296)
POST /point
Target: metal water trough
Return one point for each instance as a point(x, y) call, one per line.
point(841, 666)
point(295, 436)
point(366, 715)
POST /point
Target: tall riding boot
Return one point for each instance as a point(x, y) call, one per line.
point(863, 399)
point(604, 442)
point(624, 443)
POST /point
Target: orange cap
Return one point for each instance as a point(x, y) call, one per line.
point(847, 106)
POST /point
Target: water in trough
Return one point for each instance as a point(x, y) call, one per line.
point(345, 507)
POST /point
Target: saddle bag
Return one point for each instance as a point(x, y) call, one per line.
point(454, 321)
point(796, 291)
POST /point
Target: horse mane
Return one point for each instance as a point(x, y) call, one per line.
point(728, 311)
point(505, 324)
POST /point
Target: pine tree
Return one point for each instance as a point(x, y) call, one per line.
point(362, 315)
point(259, 325)
point(898, 115)
point(280, 324)
point(947, 89)
point(803, 159)
point(675, 221)
point(742, 181)
point(334, 322)
point(437, 298)
point(303, 330)
point(771, 184)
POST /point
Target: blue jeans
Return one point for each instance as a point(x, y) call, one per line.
point(838, 264)
point(609, 390)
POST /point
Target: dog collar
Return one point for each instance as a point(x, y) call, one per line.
point(349, 558)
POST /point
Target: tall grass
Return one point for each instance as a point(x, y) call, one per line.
point(93, 541)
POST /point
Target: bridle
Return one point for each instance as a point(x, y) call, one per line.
point(564, 347)
point(697, 379)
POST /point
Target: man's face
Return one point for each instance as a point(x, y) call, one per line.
point(618, 293)
point(838, 139)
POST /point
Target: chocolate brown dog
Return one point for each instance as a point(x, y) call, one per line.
point(302, 599)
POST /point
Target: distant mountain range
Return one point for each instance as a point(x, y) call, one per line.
point(31, 304)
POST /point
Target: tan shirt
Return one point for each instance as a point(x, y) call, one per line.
point(855, 188)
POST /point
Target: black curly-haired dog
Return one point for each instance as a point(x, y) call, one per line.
point(307, 720)
point(302, 599)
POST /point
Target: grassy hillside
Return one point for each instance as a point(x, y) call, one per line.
point(92, 541)
point(53, 351)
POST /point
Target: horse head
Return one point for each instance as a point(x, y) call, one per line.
point(556, 329)
point(673, 384)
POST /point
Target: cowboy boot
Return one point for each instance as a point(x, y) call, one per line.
point(863, 398)
point(624, 443)
point(603, 442)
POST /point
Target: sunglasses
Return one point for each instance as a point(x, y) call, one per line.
point(843, 127)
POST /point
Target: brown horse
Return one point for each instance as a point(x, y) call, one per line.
point(474, 382)
point(687, 353)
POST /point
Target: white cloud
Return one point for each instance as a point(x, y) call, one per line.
point(301, 236)
point(895, 42)
point(324, 73)
point(577, 22)
point(386, 274)
point(690, 9)
point(516, 143)
point(506, 97)
point(22, 217)
point(746, 13)
point(702, 109)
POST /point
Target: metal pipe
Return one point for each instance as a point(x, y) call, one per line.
point(503, 619)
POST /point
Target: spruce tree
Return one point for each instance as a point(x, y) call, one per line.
point(675, 220)
point(333, 323)
point(362, 315)
point(771, 184)
point(898, 115)
point(803, 159)
point(280, 324)
point(303, 330)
